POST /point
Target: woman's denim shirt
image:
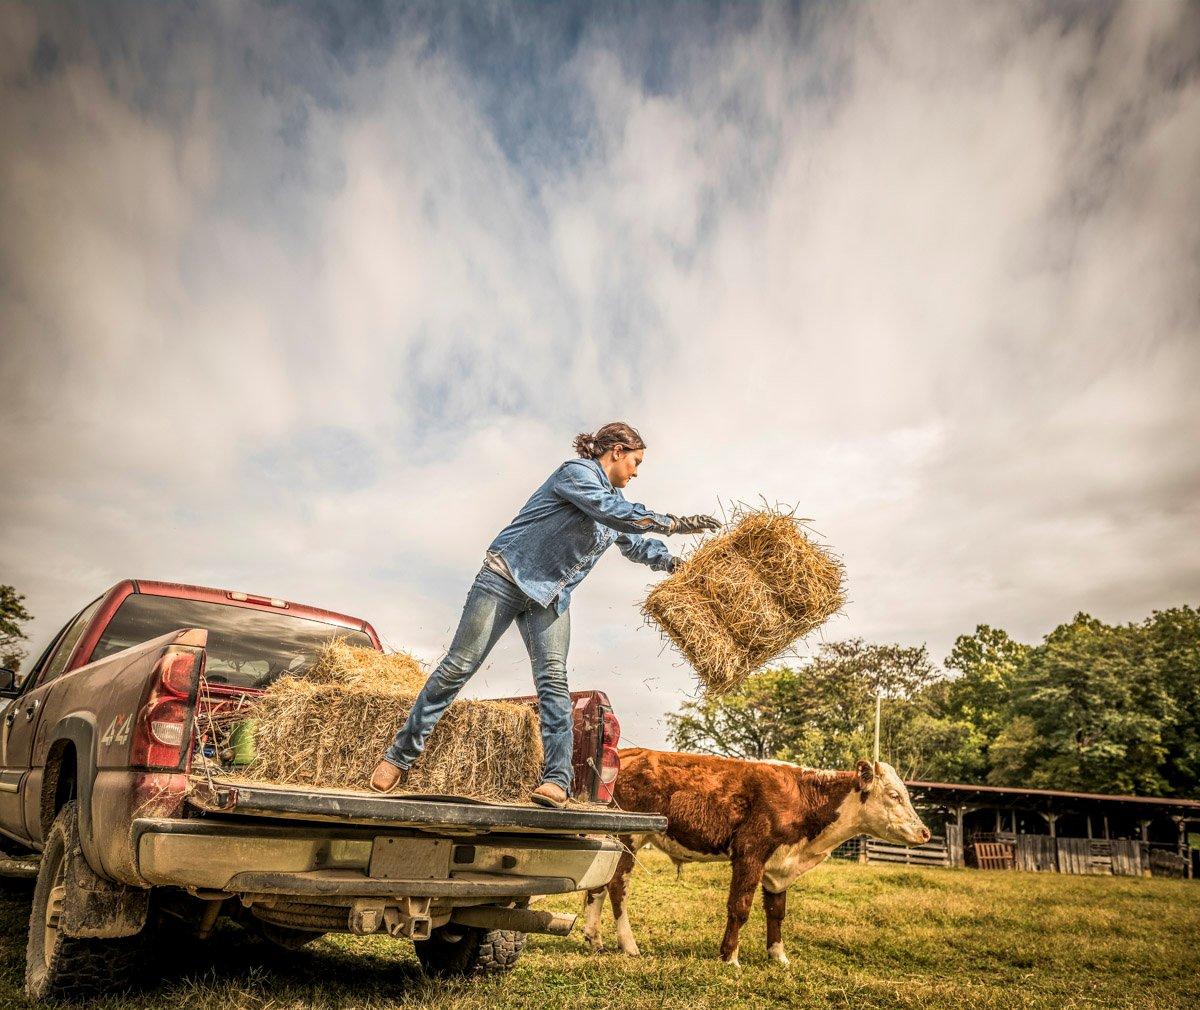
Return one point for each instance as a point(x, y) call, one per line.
point(566, 525)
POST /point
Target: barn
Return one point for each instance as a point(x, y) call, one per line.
point(1046, 830)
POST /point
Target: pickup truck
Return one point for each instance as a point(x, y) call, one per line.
point(101, 772)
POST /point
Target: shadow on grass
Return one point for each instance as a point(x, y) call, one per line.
point(233, 967)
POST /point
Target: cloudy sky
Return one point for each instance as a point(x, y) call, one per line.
point(305, 299)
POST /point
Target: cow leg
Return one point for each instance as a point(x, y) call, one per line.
point(678, 867)
point(774, 903)
point(747, 873)
point(592, 907)
point(618, 892)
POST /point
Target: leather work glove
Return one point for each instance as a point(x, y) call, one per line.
point(693, 524)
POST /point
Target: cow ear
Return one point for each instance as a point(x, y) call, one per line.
point(866, 774)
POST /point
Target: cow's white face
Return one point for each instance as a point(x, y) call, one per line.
point(887, 812)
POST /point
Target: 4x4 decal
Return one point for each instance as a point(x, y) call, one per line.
point(118, 730)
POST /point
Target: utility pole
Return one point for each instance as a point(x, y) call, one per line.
point(878, 707)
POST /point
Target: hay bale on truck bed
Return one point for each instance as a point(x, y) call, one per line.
point(330, 727)
point(355, 666)
point(746, 595)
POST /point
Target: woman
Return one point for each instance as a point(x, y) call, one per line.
point(528, 575)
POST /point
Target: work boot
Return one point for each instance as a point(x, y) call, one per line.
point(549, 795)
point(386, 777)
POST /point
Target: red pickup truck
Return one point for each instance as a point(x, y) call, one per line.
point(97, 775)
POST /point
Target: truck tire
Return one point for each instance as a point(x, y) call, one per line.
point(64, 967)
point(468, 950)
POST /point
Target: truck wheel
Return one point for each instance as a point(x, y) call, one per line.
point(468, 950)
point(64, 967)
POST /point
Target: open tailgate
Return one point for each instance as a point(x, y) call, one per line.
point(347, 806)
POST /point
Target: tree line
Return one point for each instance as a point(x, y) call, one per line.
point(1093, 707)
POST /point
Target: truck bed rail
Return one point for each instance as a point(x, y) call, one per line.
point(260, 799)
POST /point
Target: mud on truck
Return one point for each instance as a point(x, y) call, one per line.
point(101, 782)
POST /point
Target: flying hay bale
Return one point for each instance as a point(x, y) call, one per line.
point(330, 727)
point(746, 595)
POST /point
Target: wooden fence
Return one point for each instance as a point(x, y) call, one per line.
point(1030, 853)
point(1165, 863)
point(1036, 854)
point(954, 845)
point(931, 853)
point(1121, 857)
point(1085, 855)
point(872, 850)
point(1128, 858)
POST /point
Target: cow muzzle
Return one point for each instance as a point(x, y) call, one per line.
point(916, 834)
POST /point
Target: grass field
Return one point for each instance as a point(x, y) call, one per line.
point(858, 936)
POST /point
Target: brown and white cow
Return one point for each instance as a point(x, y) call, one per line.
point(772, 820)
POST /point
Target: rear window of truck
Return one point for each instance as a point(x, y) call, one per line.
point(246, 648)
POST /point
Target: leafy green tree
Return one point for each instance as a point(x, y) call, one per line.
point(988, 663)
point(1094, 707)
point(844, 678)
point(1010, 757)
point(979, 699)
point(12, 615)
point(823, 714)
point(896, 671)
point(924, 745)
point(1090, 713)
point(1174, 642)
point(747, 723)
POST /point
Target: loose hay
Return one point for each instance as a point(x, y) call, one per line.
point(331, 726)
point(746, 595)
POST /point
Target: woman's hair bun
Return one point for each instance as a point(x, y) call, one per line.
point(617, 433)
point(585, 445)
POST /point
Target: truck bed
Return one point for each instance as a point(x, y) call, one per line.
point(233, 796)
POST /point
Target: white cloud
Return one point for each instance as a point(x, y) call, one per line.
point(927, 273)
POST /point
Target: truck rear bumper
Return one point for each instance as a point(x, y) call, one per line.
point(349, 862)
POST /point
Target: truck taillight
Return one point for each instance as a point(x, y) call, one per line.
point(167, 722)
point(160, 733)
point(610, 764)
point(175, 673)
point(612, 728)
point(610, 760)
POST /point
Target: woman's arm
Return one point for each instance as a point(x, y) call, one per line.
point(582, 488)
point(647, 551)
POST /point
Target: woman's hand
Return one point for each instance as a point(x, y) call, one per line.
point(693, 524)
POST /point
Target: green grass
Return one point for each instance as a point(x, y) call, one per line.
point(858, 936)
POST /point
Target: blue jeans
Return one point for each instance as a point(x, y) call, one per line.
point(492, 605)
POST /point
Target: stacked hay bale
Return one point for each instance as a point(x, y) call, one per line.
point(747, 595)
point(330, 727)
